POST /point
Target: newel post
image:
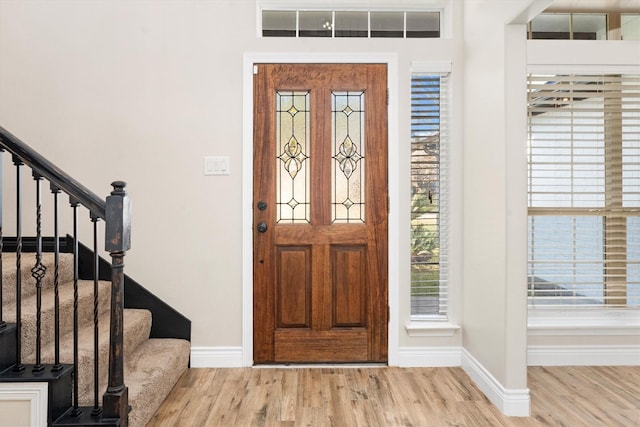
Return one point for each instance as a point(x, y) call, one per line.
point(117, 242)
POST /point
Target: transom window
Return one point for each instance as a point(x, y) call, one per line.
point(585, 26)
point(350, 23)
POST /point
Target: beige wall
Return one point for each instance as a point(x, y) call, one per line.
point(23, 404)
point(142, 91)
point(15, 413)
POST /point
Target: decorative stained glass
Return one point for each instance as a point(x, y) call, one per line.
point(292, 133)
point(347, 151)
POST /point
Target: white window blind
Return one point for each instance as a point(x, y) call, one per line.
point(429, 164)
point(584, 190)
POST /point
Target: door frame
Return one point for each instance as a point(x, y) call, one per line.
point(251, 58)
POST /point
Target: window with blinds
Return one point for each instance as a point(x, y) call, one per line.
point(584, 190)
point(428, 195)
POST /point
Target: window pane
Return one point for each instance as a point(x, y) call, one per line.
point(278, 23)
point(631, 142)
point(352, 24)
point(292, 132)
point(348, 184)
point(387, 24)
point(428, 285)
point(630, 26)
point(423, 24)
point(584, 189)
point(633, 260)
point(589, 26)
point(551, 26)
point(566, 260)
point(316, 24)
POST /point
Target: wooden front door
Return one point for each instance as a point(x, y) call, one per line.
point(320, 212)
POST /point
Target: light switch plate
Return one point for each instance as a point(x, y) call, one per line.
point(217, 165)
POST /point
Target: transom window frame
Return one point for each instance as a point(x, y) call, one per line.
point(442, 6)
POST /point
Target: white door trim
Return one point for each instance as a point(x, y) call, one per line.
point(251, 58)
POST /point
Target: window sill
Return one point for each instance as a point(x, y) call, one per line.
point(584, 322)
point(430, 328)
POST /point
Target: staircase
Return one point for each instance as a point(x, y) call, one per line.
point(67, 316)
point(152, 365)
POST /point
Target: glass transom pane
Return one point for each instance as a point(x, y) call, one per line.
point(589, 26)
point(278, 23)
point(423, 24)
point(315, 24)
point(352, 24)
point(551, 26)
point(630, 26)
point(387, 24)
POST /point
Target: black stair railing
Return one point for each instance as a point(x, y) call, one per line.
point(114, 210)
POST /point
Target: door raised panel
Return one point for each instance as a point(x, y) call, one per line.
point(348, 272)
point(293, 286)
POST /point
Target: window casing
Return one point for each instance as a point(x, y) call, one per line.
point(429, 198)
point(584, 190)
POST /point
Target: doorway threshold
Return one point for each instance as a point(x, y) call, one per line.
point(360, 365)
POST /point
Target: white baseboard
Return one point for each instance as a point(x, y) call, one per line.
point(578, 355)
point(231, 357)
point(216, 357)
point(36, 394)
point(511, 402)
point(426, 357)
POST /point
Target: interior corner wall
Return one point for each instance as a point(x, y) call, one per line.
point(494, 225)
point(484, 194)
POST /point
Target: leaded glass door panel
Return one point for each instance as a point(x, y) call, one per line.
point(320, 213)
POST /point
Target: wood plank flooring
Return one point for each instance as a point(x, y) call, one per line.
point(394, 397)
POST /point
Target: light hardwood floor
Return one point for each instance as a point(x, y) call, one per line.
point(390, 397)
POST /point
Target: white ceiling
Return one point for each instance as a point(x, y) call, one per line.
point(595, 6)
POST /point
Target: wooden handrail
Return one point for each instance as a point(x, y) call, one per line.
point(51, 172)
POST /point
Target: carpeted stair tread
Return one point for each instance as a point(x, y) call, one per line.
point(28, 260)
point(85, 312)
point(137, 326)
point(151, 372)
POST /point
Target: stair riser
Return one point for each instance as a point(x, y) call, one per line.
point(65, 274)
point(85, 315)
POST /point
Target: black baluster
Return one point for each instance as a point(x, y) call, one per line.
point(19, 367)
point(57, 366)
point(76, 411)
point(38, 272)
point(97, 410)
